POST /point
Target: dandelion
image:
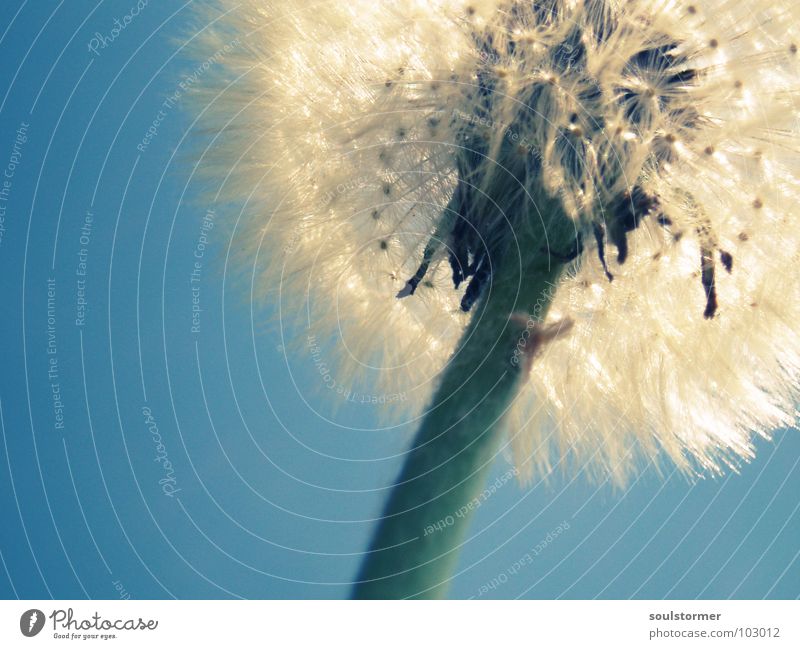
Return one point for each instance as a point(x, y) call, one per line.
point(575, 219)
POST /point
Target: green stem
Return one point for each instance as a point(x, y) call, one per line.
point(415, 549)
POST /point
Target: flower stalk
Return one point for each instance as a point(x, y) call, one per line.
point(461, 433)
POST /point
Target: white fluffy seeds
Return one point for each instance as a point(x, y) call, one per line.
point(673, 126)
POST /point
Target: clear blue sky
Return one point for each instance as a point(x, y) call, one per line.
point(252, 492)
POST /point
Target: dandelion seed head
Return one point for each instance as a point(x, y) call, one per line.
point(384, 146)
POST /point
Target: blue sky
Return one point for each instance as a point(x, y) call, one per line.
point(157, 453)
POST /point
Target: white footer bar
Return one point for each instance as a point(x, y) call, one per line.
point(386, 625)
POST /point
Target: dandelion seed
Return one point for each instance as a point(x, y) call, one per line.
point(634, 120)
